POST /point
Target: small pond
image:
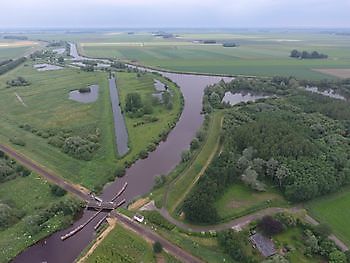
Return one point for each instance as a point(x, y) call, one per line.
point(329, 93)
point(235, 98)
point(46, 67)
point(85, 97)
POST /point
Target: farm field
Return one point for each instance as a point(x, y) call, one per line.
point(334, 211)
point(31, 204)
point(260, 54)
point(13, 49)
point(47, 108)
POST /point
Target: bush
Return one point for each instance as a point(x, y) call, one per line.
point(119, 171)
point(17, 141)
point(270, 226)
point(157, 247)
point(155, 218)
point(57, 191)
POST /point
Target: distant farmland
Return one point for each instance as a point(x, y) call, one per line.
point(257, 54)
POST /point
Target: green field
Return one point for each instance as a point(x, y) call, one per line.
point(122, 245)
point(239, 200)
point(48, 108)
point(143, 135)
point(30, 202)
point(261, 54)
point(334, 210)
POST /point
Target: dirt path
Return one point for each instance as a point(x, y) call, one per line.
point(199, 175)
point(77, 190)
point(112, 224)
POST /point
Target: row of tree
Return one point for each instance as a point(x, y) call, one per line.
point(11, 65)
point(307, 55)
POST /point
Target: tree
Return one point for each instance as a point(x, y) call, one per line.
point(157, 247)
point(270, 226)
point(133, 102)
point(281, 173)
point(337, 257)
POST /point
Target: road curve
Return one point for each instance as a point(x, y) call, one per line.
point(50, 176)
point(153, 237)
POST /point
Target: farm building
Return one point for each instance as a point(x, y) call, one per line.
point(263, 244)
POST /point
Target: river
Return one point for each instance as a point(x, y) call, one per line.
point(140, 176)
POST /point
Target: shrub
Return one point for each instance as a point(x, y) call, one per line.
point(57, 191)
point(155, 218)
point(17, 141)
point(270, 226)
point(119, 171)
point(157, 247)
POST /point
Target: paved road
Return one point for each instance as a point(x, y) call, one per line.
point(153, 237)
point(50, 176)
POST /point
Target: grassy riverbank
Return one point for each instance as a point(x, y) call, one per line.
point(184, 182)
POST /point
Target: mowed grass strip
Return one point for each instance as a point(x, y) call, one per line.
point(187, 179)
point(334, 210)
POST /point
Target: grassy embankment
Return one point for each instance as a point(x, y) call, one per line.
point(48, 107)
point(260, 54)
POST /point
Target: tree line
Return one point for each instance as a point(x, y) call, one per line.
point(307, 55)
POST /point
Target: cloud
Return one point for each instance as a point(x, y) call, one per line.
point(187, 13)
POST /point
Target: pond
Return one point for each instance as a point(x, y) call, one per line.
point(85, 97)
point(235, 98)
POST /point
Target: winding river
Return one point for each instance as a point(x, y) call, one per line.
point(140, 176)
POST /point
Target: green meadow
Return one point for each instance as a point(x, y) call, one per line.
point(334, 210)
point(47, 107)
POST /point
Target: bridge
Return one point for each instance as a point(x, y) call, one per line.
point(104, 205)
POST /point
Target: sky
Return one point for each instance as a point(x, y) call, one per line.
point(174, 13)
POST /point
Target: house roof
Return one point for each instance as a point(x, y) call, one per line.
point(263, 244)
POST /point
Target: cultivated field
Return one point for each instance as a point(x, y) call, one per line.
point(14, 49)
point(262, 54)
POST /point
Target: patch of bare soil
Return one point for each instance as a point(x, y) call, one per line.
point(337, 72)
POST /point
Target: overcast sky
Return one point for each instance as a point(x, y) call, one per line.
point(175, 13)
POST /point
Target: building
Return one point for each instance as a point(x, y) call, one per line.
point(263, 244)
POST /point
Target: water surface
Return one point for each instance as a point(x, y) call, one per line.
point(85, 97)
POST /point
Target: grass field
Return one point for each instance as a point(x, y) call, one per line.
point(15, 238)
point(13, 49)
point(334, 210)
point(141, 136)
point(262, 54)
point(122, 245)
point(239, 200)
point(48, 107)
point(186, 180)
